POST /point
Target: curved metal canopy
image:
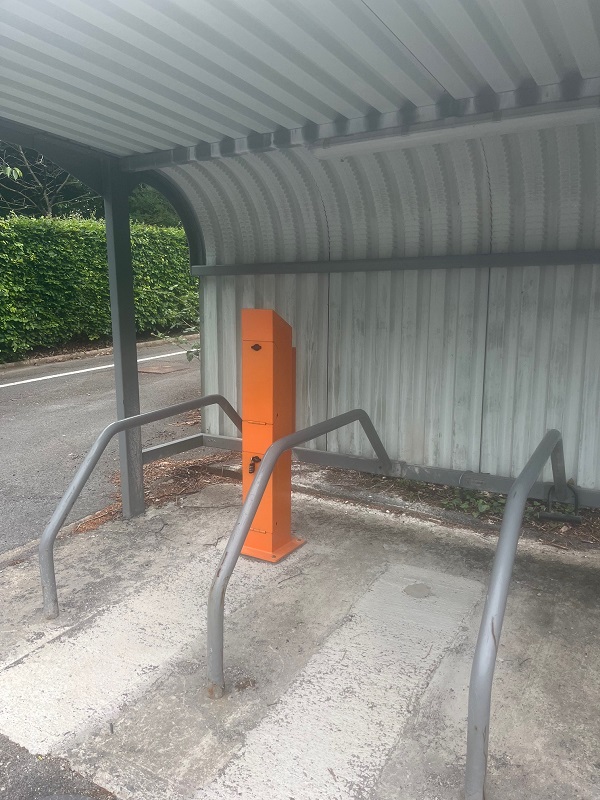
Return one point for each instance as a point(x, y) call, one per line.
point(328, 129)
point(134, 76)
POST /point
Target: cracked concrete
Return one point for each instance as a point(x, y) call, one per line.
point(347, 665)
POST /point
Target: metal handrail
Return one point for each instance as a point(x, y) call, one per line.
point(46, 547)
point(216, 597)
point(486, 650)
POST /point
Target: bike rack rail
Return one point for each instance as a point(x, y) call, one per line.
point(216, 597)
point(488, 640)
point(46, 547)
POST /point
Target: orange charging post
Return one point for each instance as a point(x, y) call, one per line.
point(268, 413)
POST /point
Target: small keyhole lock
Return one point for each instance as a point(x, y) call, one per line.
point(253, 462)
point(255, 347)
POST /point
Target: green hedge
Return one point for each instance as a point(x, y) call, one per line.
point(54, 282)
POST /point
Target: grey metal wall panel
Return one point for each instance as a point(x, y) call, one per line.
point(302, 301)
point(409, 348)
point(543, 368)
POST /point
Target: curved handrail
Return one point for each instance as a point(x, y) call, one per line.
point(486, 650)
point(216, 597)
point(46, 546)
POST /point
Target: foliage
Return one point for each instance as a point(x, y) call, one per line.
point(491, 506)
point(6, 171)
point(186, 331)
point(149, 206)
point(475, 503)
point(54, 282)
point(31, 184)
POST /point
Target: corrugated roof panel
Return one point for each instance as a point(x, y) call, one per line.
point(51, 77)
point(517, 20)
point(355, 29)
point(320, 54)
point(274, 59)
point(160, 128)
point(94, 51)
point(411, 26)
point(466, 24)
point(404, 198)
point(23, 114)
point(214, 53)
point(70, 113)
point(203, 70)
point(582, 33)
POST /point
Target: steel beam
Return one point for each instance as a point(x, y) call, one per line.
point(120, 274)
point(173, 448)
point(323, 458)
point(550, 258)
point(223, 442)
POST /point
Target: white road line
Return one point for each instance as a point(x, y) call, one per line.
point(88, 369)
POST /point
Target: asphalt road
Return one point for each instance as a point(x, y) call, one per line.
point(50, 419)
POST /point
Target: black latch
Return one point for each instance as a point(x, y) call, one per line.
point(256, 347)
point(253, 462)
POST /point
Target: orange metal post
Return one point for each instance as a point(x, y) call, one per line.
point(268, 413)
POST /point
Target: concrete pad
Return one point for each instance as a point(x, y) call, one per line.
point(333, 731)
point(346, 665)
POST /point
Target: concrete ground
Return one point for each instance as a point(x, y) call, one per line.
point(347, 665)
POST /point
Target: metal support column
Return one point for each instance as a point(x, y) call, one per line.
point(120, 272)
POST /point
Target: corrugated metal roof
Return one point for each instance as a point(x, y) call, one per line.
point(530, 191)
point(133, 76)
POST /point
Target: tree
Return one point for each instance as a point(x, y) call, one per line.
point(10, 172)
point(149, 206)
point(32, 185)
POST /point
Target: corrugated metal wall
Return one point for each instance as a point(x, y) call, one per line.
point(448, 380)
point(542, 368)
point(462, 369)
point(407, 347)
point(302, 301)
